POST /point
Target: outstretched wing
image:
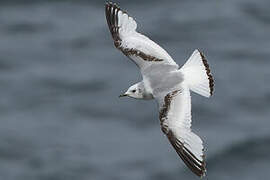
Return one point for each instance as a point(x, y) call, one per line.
point(175, 121)
point(143, 51)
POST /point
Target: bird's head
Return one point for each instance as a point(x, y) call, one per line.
point(134, 91)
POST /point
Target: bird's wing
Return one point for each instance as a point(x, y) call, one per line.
point(175, 121)
point(143, 51)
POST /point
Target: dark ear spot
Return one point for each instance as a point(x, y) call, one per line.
point(133, 91)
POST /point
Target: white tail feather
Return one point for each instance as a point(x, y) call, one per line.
point(197, 74)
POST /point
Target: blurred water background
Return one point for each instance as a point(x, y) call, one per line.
point(60, 77)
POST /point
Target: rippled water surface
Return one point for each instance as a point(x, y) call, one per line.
point(60, 77)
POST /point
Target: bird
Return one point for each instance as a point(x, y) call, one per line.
point(166, 82)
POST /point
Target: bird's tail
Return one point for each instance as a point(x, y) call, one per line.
point(197, 74)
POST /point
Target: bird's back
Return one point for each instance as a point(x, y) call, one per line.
point(161, 79)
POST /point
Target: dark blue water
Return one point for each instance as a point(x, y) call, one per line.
point(60, 77)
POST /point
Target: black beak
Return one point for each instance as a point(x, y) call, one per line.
point(123, 95)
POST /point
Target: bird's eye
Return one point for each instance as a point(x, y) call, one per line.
point(133, 91)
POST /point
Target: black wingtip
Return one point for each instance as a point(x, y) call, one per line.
point(196, 166)
point(111, 12)
point(111, 4)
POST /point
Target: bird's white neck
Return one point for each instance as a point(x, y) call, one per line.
point(148, 92)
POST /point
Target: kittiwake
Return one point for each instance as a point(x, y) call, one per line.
point(167, 83)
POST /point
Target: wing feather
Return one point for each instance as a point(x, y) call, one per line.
point(175, 120)
point(140, 49)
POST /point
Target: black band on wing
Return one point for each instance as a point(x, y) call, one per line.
point(194, 164)
point(134, 52)
point(166, 106)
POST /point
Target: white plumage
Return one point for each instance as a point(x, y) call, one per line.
point(164, 81)
point(197, 77)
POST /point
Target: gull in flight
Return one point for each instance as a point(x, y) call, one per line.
point(166, 82)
